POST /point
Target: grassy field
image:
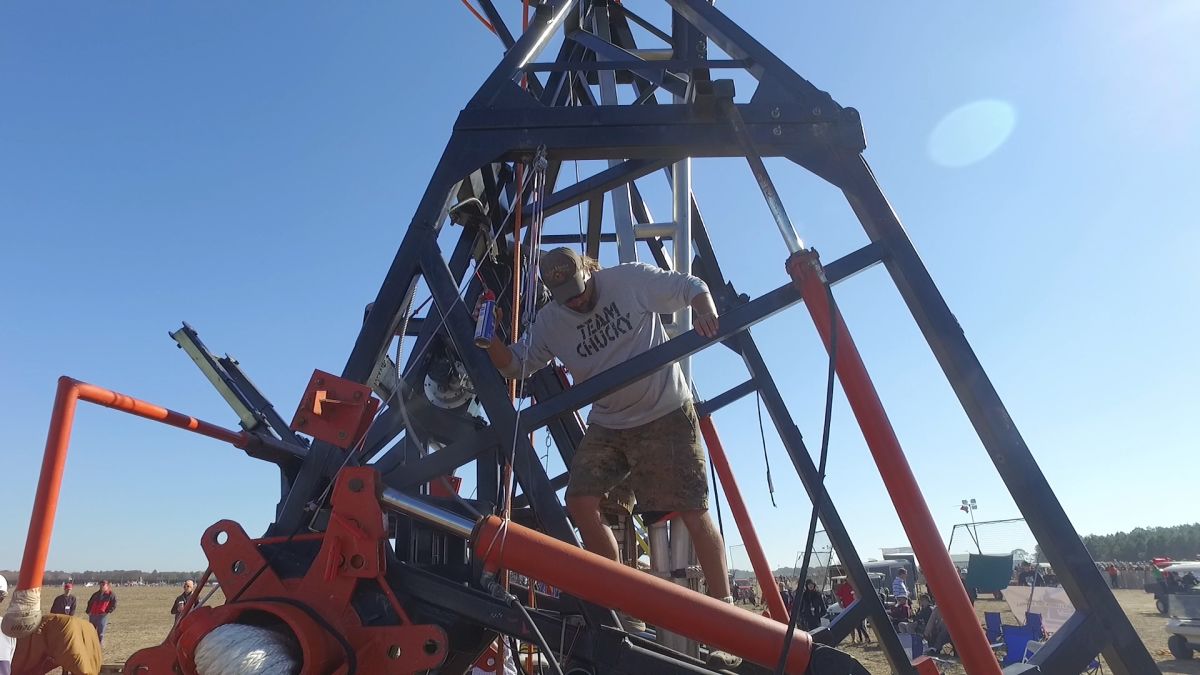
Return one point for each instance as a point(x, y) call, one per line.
point(143, 618)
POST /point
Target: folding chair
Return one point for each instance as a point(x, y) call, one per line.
point(1034, 621)
point(993, 627)
point(1016, 638)
point(1032, 647)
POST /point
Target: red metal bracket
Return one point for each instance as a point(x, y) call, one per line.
point(335, 410)
point(446, 486)
point(315, 608)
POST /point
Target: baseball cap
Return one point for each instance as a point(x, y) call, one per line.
point(562, 272)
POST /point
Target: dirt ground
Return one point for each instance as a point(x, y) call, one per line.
point(143, 618)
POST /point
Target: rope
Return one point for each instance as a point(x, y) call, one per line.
point(487, 24)
point(766, 459)
point(24, 612)
point(397, 392)
point(239, 649)
point(517, 389)
point(819, 496)
point(538, 185)
point(717, 499)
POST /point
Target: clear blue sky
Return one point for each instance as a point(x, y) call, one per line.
point(250, 168)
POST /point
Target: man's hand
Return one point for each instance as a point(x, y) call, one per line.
point(707, 324)
point(705, 315)
point(498, 352)
point(479, 305)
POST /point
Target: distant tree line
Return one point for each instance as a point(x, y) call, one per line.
point(1181, 542)
point(56, 578)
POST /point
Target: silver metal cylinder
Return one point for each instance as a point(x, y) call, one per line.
point(682, 558)
point(650, 230)
point(660, 550)
point(653, 54)
point(681, 211)
point(395, 500)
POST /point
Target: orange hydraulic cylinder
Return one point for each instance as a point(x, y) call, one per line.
point(502, 544)
point(965, 630)
point(54, 460)
point(733, 496)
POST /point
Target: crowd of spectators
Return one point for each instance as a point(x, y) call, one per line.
point(1124, 574)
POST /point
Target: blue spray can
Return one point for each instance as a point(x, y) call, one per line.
point(485, 325)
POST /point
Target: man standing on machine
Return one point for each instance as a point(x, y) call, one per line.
point(646, 432)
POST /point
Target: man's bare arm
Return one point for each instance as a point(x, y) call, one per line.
point(704, 315)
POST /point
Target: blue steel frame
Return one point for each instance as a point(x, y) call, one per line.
point(504, 124)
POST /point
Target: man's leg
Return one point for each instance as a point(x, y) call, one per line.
point(709, 551)
point(99, 621)
point(597, 535)
point(598, 469)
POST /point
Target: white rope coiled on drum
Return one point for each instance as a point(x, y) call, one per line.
point(238, 649)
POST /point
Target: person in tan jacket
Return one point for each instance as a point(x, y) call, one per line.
point(60, 641)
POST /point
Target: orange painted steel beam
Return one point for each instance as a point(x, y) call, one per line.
point(501, 544)
point(968, 636)
point(54, 461)
point(737, 506)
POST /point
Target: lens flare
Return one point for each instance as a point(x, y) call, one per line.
point(971, 132)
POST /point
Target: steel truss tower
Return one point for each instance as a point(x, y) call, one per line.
point(568, 109)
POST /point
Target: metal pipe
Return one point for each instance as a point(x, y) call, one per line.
point(653, 54)
point(597, 579)
point(680, 561)
point(681, 213)
point(54, 461)
point(650, 230)
point(621, 200)
point(741, 515)
point(968, 636)
point(662, 563)
point(427, 513)
point(682, 551)
point(765, 184)
point(660, 549)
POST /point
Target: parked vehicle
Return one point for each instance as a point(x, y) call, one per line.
point(1175, 579)
point(1183, 628)
point(743, 590)
point(887, 569)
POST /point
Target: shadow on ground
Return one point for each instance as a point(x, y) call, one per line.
point(1179, 666)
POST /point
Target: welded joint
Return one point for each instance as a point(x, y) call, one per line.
point(805, 264)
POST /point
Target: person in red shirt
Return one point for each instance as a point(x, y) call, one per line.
point(901, 612)
point(102, 603)
point(845, 596)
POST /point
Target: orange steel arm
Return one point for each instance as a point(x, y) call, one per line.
point(504, 544)
point(733, 496)
point(54, 461)
point(969, 639)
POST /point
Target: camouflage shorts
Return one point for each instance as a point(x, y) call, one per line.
point(660, 463)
